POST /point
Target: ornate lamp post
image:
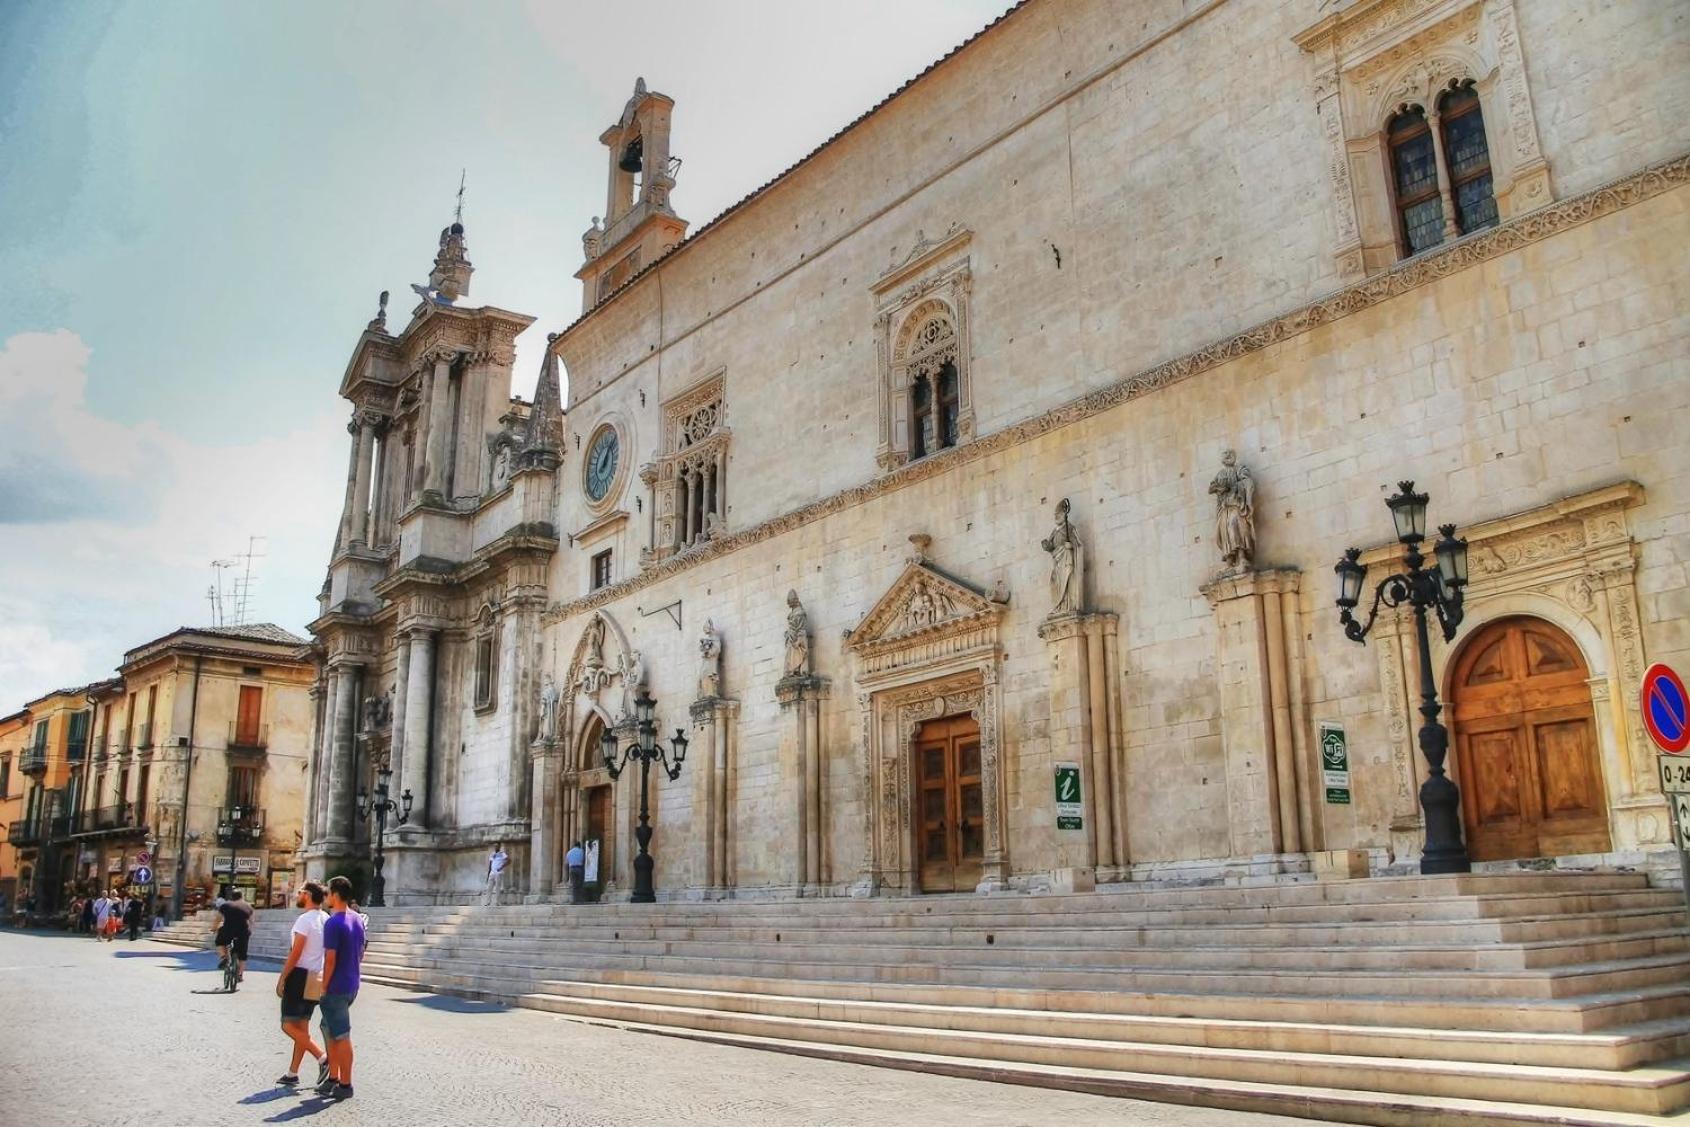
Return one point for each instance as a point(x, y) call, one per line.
point(644, 748)
point(381, 806)
point(1438, 589)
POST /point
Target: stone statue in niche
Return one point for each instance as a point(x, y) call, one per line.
point(377, 711)
point(797, 637)
point(1235, 512)
point(635, 677)
point(593, 673)
point(501, 467)
point(1067, 563)
point(922, 609)
point(549, 697)
point(710, 662)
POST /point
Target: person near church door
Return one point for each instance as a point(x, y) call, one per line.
point(575, 861)
point(496, 864)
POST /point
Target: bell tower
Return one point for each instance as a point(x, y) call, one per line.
point(638, 224)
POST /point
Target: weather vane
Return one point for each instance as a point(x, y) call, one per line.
point(458, 216)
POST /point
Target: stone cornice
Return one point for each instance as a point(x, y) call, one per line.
point(1405, 277)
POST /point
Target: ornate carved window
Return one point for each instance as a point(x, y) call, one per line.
point(1403, 92)
point(926, 403)
point(690, 480)
point(1441, 169)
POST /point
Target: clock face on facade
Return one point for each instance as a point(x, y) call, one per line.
point(601, 463)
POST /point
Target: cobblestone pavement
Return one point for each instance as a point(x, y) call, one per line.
point(117, 1034)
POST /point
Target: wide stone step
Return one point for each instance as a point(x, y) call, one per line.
point(963, 969)
point(563, 949)
point(1647, 1090)
point(1351, 1106)
point(1050, 911)
point(1035, 932)
point(1609, 1050)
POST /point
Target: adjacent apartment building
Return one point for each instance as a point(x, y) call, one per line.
point(182, 774)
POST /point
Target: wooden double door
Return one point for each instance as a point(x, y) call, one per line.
point(1525, 744)
point(950, 810)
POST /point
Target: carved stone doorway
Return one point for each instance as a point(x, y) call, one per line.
point(598, 823)
point(950, 819)
point(1525, 744)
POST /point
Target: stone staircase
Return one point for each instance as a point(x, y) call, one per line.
point(1508, 998)
point(196, 930)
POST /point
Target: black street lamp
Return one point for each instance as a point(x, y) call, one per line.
point(645, 749)
point(1439, 589)
point(381, 807)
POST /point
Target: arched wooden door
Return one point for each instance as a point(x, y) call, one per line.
point(950, 819)
point(1525, 744)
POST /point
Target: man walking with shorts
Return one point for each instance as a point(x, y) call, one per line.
point(343, 952)
point(303, 969)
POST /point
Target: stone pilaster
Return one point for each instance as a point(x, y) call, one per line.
point(1263, 776)
point(364, 461)
point(418, 734)
point(1085, 728)
point(713, 719)
point(546, 816)
point(801, 751)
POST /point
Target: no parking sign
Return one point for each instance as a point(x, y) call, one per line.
point(1666, 709)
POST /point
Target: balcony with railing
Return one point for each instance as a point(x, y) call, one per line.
point(117, 819)
point(33, 761)
point(248, 737)
point(30, 831)
point(240, 825)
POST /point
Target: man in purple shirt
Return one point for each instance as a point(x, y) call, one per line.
point(343, 951)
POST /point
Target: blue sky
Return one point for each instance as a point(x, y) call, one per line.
point(201, 202)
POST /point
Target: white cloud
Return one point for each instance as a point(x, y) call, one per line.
point(107, 529)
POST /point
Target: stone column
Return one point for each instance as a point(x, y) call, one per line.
point(351, 484)
point(800, 698)
point(1256, 721)
point(439, 427)
point(361, 479)
point(343, 764)
point(325, 756)
point(378, 497)
point(401, 697)
point(310, 828)
point(419, 714)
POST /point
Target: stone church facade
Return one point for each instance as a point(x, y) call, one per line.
point(1007, 442)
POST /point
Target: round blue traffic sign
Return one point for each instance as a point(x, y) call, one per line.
point(143, 875)
point(1666, 709)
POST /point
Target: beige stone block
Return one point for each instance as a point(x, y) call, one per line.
point(1339, 864)
point(1076, 879)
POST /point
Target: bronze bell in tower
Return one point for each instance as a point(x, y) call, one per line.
point(633, 157)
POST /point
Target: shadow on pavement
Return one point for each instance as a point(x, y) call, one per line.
point(310, 1106)
point(270, 1095)
point(451, 1005)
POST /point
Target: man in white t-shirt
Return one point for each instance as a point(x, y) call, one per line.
point(102, 913)
point(496, 873)
point(305, 959)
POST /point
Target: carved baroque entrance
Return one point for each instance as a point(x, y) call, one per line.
point(928, 651)
point(1525, 744)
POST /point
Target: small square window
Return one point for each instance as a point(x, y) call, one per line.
point(601, 569)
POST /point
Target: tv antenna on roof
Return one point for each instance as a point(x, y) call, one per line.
point(215, 592)
point(244, 585)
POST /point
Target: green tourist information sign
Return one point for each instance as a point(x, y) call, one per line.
point(1335, 763)
point(1070, 811)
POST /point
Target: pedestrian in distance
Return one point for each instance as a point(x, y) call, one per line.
point(575, 861)
point(300, 985)
point(496, 863)
point(133, 917)
point(102, 916)
point(86, 924)
point(234, 932)
point(343, 953)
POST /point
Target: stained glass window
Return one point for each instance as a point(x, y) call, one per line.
point(1414, 164)
point(1469, 158)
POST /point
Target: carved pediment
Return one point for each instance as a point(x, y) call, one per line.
point(923, 604)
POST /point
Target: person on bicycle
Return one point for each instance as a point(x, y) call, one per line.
point(234, 929)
